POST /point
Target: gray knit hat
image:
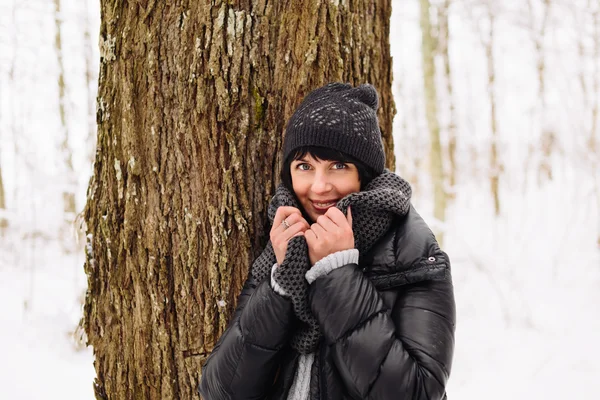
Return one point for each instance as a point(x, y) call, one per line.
point(340, 117)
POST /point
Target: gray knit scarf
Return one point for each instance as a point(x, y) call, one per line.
point(373, 210)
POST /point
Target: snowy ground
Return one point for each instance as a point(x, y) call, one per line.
point(527, 291)
point(41, 290)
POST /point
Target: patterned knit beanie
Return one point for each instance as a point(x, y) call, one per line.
point(340, 117)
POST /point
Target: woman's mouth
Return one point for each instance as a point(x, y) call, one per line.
point(323, 205)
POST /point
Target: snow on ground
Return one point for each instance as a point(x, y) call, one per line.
point(40, 292)
point(527, 291)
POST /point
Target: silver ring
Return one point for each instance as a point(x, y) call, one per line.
point(285, 223)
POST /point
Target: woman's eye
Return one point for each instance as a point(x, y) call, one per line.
point(303, 167)
point(339, 165)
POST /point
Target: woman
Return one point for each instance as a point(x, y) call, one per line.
point(352, 298)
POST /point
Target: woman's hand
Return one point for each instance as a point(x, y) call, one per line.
point(295, 225)
point(332, 232)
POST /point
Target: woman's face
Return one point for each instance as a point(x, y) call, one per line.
point(320, 184)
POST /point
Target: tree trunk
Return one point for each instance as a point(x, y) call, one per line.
point(192, 103)
point(435, 156)
point(547, 138)
point(495, 167)
point(91, 79)
point(444, 44)
point(594, 139)
point(68, 192)
point(3, 219)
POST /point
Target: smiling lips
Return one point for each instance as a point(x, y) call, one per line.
point(323, 206)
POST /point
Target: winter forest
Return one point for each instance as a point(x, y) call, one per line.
point(496, 126)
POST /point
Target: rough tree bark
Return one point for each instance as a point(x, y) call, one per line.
point(435, 155)
point(192, 103)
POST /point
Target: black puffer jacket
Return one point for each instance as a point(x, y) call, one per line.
point(387, 324)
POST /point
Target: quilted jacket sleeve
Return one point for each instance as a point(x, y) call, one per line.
point(381, 353)
point(244, 361)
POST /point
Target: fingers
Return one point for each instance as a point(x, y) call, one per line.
point(281, 234)
point(318, 230)
point(349, 216)
point(337, 217)
point(332, 232)
point(284, 212)
point(293, 220)
point(327, 224)
point(291, 216)
point(311, 238)
point(294, 230)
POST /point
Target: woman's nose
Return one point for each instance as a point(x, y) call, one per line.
point(321, 184)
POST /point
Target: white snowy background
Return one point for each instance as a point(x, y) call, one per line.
point(527, 281)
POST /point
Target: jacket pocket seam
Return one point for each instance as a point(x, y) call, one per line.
point(404, 277)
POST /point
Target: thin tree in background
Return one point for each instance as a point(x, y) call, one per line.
point(409, 157)
point(192, 103)
point(594, 136)
point(443, 47)
point(68, 192)
point(547, 141)
point(538, 36)
point(590, 86)
point(16, 122)
point(91, 79)
point(435, 156)
point(3, 219)
point(593, 140)
point(495, 165)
